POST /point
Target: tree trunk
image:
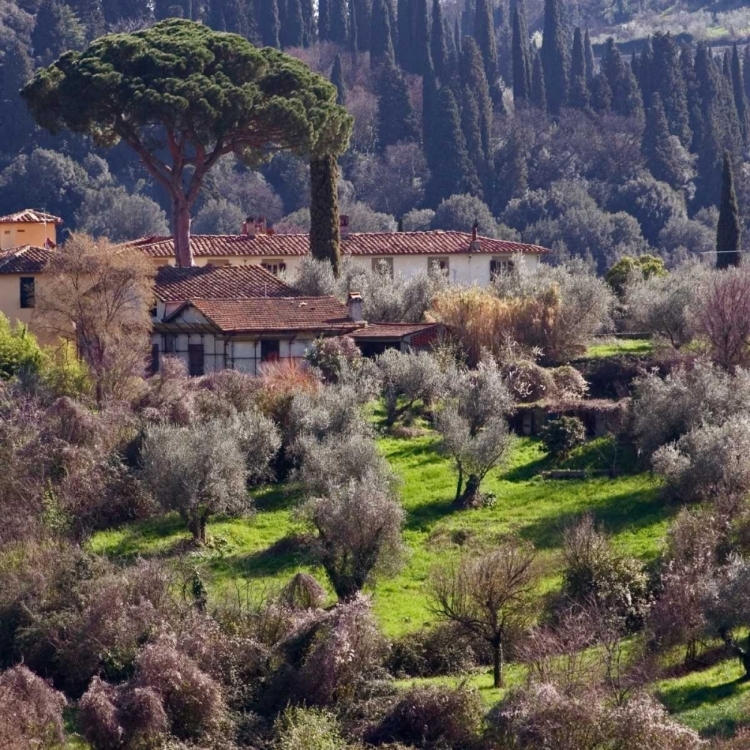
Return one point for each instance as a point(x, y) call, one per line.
point(497, 663)
point(197, 528)
point(181, 232)
point(470, 496)
point(459, 485)
point(324, 211)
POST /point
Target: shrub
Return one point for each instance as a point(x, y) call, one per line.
point(332, 355)
point(307, 728)
point(562, 435)
point(432, 717)
point(19, 350)
point(359, 532)
point(708, 463)
point(627, 269)
point(303, 592)
point(596, 574)
point(570, 385)
point(460, 212)
point(528, 382)
point(31, 712)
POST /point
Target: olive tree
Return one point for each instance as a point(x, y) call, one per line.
point(358, 528)
point(474, 428)
point(490, 596)
point(182, 96)
point(202, 469)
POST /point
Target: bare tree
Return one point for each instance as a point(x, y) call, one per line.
point(490, 596)
point(359, 532)
point(98, 296)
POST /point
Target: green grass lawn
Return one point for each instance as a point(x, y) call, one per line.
point(611, 347)
point(255, 553)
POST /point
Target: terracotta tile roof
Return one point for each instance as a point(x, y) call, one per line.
point(218, 282)
point(277, 315)
point(24, 259)
point(367, 244)
point(393, 330)
point(30, 216)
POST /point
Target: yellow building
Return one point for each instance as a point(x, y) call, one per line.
point(27, 239)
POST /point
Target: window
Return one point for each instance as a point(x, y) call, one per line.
point(269, 350)
point(276, 267)
point(440, 265)
point(154, 368)
point(195, 360)
point(500, 266)
point(28, 294)
point(383, 265)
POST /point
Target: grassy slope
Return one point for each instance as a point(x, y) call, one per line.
point(260, 551)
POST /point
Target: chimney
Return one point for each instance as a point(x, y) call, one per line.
point(344, 226)
point(260, 225)
point(476, 245)
point(252, 227)
point(354, 305)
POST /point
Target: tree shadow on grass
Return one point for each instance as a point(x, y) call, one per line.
point(277, 497)
point(629, 511)
point(424, 516)
point(286, 554)
point(139, 538)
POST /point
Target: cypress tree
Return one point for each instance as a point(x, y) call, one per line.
point(728, 231)
point(381, 44)
point(362, 10)
point(474, 79)
point(337, 79)
point(269, 23)
point(726, 65)
point(215, 18)
point(484, 33)
point(16, 70)
point(451, 53)
point(512, 172)
point(421, 37)
point(324, 20)
point(646, 71)
point(353, 30)
point(474, 146)
point(588, 53)
point(578, 57)
point(90, 14)
point(395, 119)
point(430, 109)
point(309, 31)
point(457, 37)
point(236, 18)
point(325, 238)
point(746, 69)
point(658, 147)
point(538, 91)
point(56, 30)
point(403, 21)
point(579, 96)
point(339, 21)
point(554, 56)
point(468, 14)
point(521, 63)
point(601, 94)
point(292, 25)
point(626, 95)
point(438, 45)
point(448, 159)
point(738, 86)
point(667, 79)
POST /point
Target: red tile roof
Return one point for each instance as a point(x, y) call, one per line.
point(24, 259)
point(314, 314)
point(368, 244)
point(393, 330)
point(30, 216)
point(218, 282)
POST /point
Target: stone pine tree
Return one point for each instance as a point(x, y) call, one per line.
point(324, 20)
point(728, 233)
point(658, 147)
point(438, 43)
point(269, 23)
point(337, 79)
point(484, 33)
point(738, 88)
point(474, 79)
point(396, 121)
point(521, 57)
point(554, 56)
point(325, 233)
point(448, 159)
point(339, 21)
point(538, 91)
point(381, 42)
point(588, 53)
point(238, 99)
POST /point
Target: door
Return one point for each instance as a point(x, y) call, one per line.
point(195, 360)
point(269, 350)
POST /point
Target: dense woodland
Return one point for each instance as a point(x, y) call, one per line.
point(536, 133)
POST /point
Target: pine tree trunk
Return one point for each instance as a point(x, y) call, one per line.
point(324, 211)
point(181, 231)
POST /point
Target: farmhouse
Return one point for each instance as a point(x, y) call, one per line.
point(465, 257)
point(216, 318)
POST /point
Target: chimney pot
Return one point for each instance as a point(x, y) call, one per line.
point(260, 225)
point(344, 225)
point(354, 306)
